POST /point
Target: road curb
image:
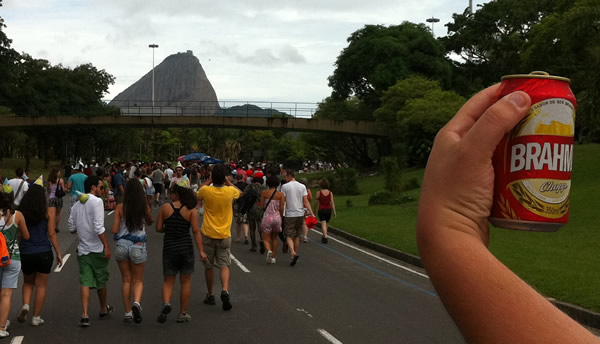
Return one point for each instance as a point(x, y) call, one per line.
point(583, 316)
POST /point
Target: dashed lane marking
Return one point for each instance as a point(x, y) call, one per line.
point(59, 268)
point(238, 263)
point(377, 257)
point(17, 340)
point(328, 336)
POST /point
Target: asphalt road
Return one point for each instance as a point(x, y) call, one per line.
point(337, 293)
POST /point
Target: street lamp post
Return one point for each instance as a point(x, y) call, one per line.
point(153, 46)
point(432, 20)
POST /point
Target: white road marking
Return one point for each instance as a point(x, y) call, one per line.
point(376, 256)
point(110, 213)
point(17, 340)
point(304, 311)
point(328, 336)
point(59, 268)
point(238, 263)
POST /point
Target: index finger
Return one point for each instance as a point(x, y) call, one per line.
point(472, 110)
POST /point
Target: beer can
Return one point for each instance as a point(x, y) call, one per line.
point(533, 162)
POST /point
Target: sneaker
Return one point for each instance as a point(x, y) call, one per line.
point(23, 314)
point(269, 257)
point(4, 334)
point(137, 312)
point(210, 300)
point(225, 299)
point(128, 317)
point(109, 309)
point(305, 239)
point(324, 240)
point(273, 260)
point(246, 242)
point(294, 260)
point(183, 317)
point(166, 309)
point(37, 321)
point(7, 324)
point(262, 247)
point(85, 322)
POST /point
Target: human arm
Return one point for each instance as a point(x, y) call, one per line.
point(281, 205)
point(488, 302)
point(332, 204)
point(20, 221)
point(197, 234)
point(98, 223)
point(317, 202)
point(52, 234)
point(159, 219)
point(307, 205)
point(117, 219)
point(107, 252)
point(149, 221)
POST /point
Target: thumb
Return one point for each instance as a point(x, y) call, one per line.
point(496, 121)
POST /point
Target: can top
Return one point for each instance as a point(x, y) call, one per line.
point(536, 75)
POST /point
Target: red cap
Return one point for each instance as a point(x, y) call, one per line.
point(258, 174)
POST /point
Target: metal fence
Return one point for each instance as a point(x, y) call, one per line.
point(222, 108)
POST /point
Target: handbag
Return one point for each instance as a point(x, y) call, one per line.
point(60, 192)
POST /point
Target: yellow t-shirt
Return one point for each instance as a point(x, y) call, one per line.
point(218, 210)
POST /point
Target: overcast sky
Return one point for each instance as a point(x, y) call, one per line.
point(249, 49)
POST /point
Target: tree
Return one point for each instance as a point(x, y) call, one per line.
point(567, 43)
point(377, 56)
point(414, 110)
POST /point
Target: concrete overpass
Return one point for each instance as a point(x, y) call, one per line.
point(352, 127)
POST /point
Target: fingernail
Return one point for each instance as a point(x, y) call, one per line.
point(518, 99)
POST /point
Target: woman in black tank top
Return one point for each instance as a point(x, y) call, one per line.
point(175, 219)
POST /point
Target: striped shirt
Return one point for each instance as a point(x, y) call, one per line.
point(177, 234)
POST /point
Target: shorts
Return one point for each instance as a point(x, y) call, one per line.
point(93, 270)
point(324, 215)
point(37, 262)
point(119, 199)
point(158, 187)
point(55, 202)
point(174, 263)
point(239, 218)
point(292, 226)
point(9, 275)
point(150, 191)
point(218, 252)
point(128, 250)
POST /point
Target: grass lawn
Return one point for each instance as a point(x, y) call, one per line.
point(563, 265)
point(7, 168)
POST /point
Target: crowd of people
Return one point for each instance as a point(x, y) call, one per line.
point(264, 200)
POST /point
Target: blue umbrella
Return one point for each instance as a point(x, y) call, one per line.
point(210, 160)
point(194, 157)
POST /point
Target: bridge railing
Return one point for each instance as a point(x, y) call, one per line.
point(222, 108)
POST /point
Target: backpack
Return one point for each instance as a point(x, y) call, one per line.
point(4, 251)
point(247, 200)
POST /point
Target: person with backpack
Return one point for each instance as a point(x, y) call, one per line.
point(129, 229)
point(36, 252)
point(255, 212)
point(13, 229)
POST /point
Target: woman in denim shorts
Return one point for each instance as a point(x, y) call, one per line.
point(12, 226)
point(129, 228)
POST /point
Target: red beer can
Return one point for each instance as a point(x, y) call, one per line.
point(533, 162)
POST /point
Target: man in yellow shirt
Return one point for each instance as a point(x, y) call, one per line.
point(216, 229)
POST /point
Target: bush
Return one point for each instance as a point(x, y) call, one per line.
point(349, 203)
point(385, 197)
point(412, 184)
point(345, 182)
point(391, 174)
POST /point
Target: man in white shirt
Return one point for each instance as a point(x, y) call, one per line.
point(93, 252)
point(295, 201)
point(19, 186)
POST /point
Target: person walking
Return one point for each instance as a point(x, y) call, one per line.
point(273, 202)
point(76, 182)
point(216, 230)
point(175, 219)
point(179, 178)
point(19, 185)
point(325, 206)
point(168, 177)
point(118, 183)
point(13, 227)
point(36, 252)
point(55, 201)
point(241, 220)
point(296, 202)
point(158, 181)
point(93, 252)
point(129, 229)
point(256, 211)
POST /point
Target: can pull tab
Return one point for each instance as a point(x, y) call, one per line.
point(539, 72)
